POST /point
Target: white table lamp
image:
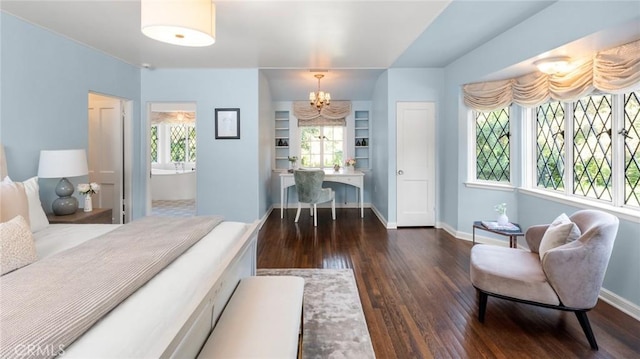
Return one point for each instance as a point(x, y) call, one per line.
point(63, 164)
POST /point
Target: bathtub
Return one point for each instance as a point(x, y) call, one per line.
point(169, 184)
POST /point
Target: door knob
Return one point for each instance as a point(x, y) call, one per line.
point(400, 172)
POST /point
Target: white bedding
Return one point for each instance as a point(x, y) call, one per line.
point(144, 324)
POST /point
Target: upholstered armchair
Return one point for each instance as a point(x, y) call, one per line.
point(309, 189)
point(563, 269)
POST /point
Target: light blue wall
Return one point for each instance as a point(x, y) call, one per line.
point(408, 85)
point(266, 131)
point(228, 175)
point(379, 152)
point(44, 98)
point(524, 41)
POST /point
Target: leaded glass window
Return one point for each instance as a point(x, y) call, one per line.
point(154, 144)
point(630, 134)
point(603, 147)
point(492, 145)
point(550, 146)
point(592, 119)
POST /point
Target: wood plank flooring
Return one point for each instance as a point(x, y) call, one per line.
point(417, 297)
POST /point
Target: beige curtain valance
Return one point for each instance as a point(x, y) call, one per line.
point(173, 118)
point(615, 70)
point(332, 115)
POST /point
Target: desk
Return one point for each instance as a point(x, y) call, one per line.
point(513, 235)
point(354, 178)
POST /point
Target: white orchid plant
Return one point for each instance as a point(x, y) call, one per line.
point(501, 208)
point(88, 188)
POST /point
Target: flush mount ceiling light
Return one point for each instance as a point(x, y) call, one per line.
point(179, 22)
point(554, 65)
point(319, 98)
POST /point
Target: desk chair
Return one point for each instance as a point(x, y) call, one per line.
point(309, 189)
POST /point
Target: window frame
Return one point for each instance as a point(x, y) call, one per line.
point(472, 176)
point(164, 142)
point(567, 195)
point(345, 136)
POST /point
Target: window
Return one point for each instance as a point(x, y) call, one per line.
point(173, 143)
point(550, 145)
point(154, 144)
point(601, 142)
point(492, 145)
point(631, 137)
point(322, 146)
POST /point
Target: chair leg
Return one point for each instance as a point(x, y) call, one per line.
point(310, 209)
point(315, 215)
point(482, 296)
point(298, 213)
point(333, 208)
point(586, 327)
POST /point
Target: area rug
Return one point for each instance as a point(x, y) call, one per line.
point(333, 321)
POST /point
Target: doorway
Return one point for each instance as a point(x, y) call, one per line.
point(172, 159)
point(109, 154)
point(415, 172)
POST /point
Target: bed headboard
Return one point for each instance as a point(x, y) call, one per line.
point(3, 164)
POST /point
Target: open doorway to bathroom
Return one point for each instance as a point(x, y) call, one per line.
point(173, 153)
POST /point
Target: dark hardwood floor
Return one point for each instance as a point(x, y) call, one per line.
point(417, 297)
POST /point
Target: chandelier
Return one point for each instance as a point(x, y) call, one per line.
point(184, 23)
point(319, 98)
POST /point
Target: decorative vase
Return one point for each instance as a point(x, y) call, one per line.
point(88, 204)
point(503, 220)
point(350, 169)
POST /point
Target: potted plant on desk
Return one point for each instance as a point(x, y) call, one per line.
point(292, 161)
point(350, 163)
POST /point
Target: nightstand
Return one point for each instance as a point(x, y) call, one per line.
point(98, 215)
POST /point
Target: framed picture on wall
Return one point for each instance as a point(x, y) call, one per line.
point(227, 123)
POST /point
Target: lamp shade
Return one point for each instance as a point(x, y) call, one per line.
point(179, 22)
point(63, 163)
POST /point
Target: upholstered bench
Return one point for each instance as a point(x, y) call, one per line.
point(262, 319)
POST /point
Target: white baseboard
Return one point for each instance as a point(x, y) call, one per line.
point(387, 225)
point(264, 218)
point(620, 303)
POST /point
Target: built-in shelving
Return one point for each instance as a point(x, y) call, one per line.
point(361, 139)
point(281, 140)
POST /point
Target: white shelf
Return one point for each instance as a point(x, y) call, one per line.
point(281, 133)
point(362, 132)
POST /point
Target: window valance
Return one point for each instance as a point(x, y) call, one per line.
point(173, 118)
point(332, 115)
point(615, 70)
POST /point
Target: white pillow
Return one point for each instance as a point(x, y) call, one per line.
point(13, 201)
point(560, 231)
point(17, 248)
point(37, 218)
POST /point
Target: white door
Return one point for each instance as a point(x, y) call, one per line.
point(106, 152)
point(415, 171)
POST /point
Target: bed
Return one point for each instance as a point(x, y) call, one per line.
point(171, 315)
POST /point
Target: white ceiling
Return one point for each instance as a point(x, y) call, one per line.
point(354, 40)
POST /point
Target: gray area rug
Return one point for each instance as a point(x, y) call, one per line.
point(333, 321)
